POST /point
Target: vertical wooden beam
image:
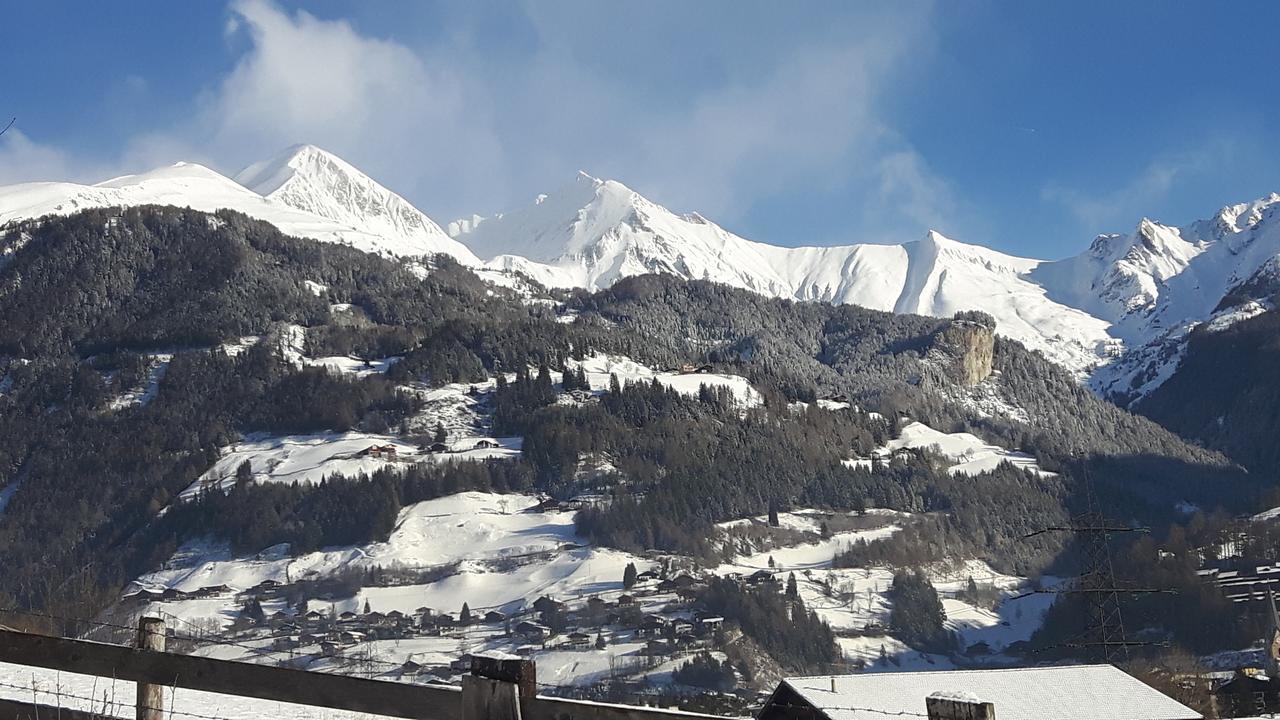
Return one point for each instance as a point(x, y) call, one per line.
point(954, 706)
point(150, 696)
point(495, 686)
point(486, 699)
point(524, 673)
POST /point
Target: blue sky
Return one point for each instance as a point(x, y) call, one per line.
point(1028, 127)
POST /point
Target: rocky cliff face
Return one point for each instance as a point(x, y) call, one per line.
point(967, 349)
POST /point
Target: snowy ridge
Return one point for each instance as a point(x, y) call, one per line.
point(198, 187)
point(1117, 314)
point(591, 233)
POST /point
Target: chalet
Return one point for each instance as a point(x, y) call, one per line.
point(328, 649)
point(596, 605)
point(350, 637)
point(348, 617)
point(307, 638)
point(625, 600)
point(588, 500)
point(436, 448)
point(143, 596)
point(410, 668)
point(646, 576)
point(462, 664)
point(395, 616)
point(282, 644)
point(667, 586)
point(279, 618)
point(652, 626)
point(375, 618)
point(546, 604)
point(710, 624)
point(379, 451)
point(760, 576)
point(532, 632)
point(485, 444)
point(1072, 692)
point(690, 369)
point(446, 620)
point(684, 580)
point(171, 594)
point(211, 591)
point(313, 617)
point(578, 641)
point(493, 616)
point(681, 626)
point(527, 650)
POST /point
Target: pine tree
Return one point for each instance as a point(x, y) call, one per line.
point(440, 435)
point(465, 616)
point(244, 475)
point(629, 576)
point(773, 514)
point(793, 590)
point(615, 385)
point(367, 608)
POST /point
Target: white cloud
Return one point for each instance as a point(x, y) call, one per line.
point(22, 160)
point(372, 101)
point(458, 131)
point(1161, 176)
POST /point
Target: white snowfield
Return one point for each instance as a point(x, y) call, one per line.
point(469, 526)
point(970, 454)
point(852, 600)
point(1119, 300)
point(600, 368)
point(308, 459)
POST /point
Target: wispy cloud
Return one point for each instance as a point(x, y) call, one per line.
point(1117, 208)
point(457, 131)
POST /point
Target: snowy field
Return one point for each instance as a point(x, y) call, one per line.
point(969, 453)
point(600, 367)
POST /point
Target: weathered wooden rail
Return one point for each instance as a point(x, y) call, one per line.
point(496, 689)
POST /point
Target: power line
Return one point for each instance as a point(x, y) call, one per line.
point(59, 694)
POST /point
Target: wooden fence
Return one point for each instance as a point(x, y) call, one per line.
point(495, 689)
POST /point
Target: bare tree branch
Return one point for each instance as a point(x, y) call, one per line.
point(6, 127)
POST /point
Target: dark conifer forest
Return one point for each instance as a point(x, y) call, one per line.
point(88, 301)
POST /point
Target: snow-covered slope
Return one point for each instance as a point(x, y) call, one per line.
point(1158, 282)
point(591, 232)
point(307, 178)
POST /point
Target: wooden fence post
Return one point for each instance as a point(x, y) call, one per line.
point(495, 687)
point(958, 706)
point(151, 636)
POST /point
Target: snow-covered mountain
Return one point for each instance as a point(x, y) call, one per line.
point(307, 178)
point(313, 199)
point(592, 232)
point(1117, 314)
point(1157, 283)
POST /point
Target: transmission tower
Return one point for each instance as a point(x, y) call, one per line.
point(1103, 635)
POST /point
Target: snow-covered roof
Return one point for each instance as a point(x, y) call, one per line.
point(1077, 692)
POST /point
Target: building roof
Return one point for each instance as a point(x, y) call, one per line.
point(1076, 692)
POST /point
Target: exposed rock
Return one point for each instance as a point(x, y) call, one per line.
point(967, 347)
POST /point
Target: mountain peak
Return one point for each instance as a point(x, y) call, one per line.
point(306, 177)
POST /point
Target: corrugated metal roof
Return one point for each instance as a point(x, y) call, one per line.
point(1076, 692)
